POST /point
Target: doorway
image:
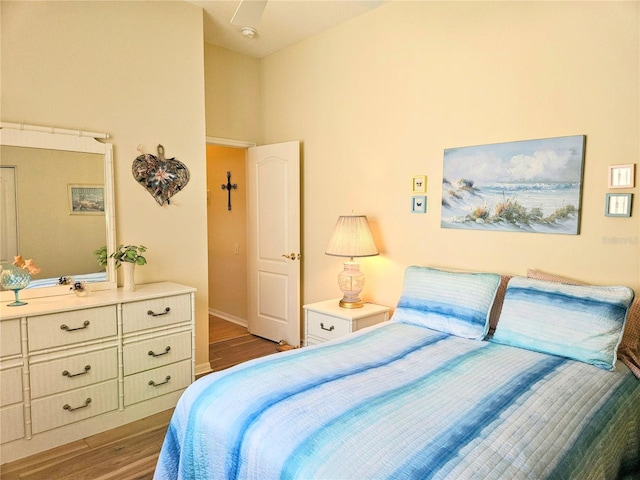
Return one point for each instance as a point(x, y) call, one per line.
point(253, 223)
point(227, 233)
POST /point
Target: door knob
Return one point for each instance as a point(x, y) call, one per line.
point(292, 256)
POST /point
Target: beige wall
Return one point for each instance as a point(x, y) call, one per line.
point(232, 91)
point(227, 229)
point(377, 100)
point(134, 70)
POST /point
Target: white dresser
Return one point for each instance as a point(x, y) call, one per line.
point(71, 367)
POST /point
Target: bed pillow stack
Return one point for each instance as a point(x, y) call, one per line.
point(584, 323)
point(629, 349)
point(450, 302)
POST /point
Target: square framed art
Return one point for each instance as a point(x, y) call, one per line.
point(419, 204)
point(622, 176)
point(618, 205)
point(419, 184)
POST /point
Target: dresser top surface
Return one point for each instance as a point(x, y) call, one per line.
point(61, 303)
point(331, 307)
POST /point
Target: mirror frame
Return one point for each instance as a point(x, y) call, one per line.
point(50, 138)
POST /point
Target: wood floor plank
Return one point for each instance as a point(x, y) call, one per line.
point(232, 352)
point(140, 470)
point(220, 329)
point(103, 460)
point(35, 462)
point(153, 422)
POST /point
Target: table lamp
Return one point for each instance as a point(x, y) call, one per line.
point(351, 238)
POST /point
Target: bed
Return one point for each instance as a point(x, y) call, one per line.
point(475, 376)
point(55, 281)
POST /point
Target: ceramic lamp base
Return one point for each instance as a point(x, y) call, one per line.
point(351, 281)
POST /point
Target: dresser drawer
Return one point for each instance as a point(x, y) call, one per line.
point(73, 372)
point(10, 386)
point(70, 407)
point(12, 421)
point(326, 326)
point(10, 338)
point(59, 329)
point(140, 356)
point(157, 312)
point(156, 382)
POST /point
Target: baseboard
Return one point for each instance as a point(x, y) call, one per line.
point(203, 369)
point(228, 317)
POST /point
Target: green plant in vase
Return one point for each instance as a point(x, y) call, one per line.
point(102, 256)
point(129, 256)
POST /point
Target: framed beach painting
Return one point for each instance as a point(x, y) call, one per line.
point(525, 186)
point(86, 199)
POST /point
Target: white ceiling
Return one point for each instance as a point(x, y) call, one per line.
point(283, 22)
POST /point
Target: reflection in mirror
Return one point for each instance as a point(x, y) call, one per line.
point(57, 190)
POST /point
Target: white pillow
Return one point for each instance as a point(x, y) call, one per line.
point(450, 302)
point(581, 322)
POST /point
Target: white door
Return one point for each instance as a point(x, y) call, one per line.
point(273, 211)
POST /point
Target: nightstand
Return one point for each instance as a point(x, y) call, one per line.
point(326, 320)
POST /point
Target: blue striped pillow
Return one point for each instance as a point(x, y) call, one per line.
point(450, 302)
point(581, 322)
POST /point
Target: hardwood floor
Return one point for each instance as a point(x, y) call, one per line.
point(130, 452)
point(124, 453)
point(230, 344)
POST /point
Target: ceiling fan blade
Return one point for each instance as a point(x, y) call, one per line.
point(248, 13)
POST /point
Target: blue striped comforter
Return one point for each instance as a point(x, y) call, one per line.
point(402, 401)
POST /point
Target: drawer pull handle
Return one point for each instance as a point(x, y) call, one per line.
point(154, 384)
point(154, 354)
point(67, 329)
point(71, 409)
point(67, 374)
point(154, 314)
point(330, 329)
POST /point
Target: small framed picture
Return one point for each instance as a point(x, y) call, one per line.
point(622, 176)
point(419, 204)
point(618, 205)
point(419, 184)
point(86, 199)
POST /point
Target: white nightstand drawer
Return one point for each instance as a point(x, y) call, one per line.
point(69, 407)
point(10, 386)
point(156, 382)
point(58, 329)
point(156, 352)
point(12, 421)
point(157, 312)
point(326, 327)
point(73, 372)
point(327, 320)
point(10, 338)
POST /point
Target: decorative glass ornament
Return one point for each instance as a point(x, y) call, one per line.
point(14, 278)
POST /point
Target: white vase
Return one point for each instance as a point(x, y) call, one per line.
point(129, 270)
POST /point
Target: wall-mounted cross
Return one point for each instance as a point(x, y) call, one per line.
point(228, 187)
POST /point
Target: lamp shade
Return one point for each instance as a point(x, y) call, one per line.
point(352, 237)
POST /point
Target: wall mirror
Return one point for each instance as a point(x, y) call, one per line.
point(57, 205)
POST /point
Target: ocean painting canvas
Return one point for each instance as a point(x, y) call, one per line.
point(526, 186)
